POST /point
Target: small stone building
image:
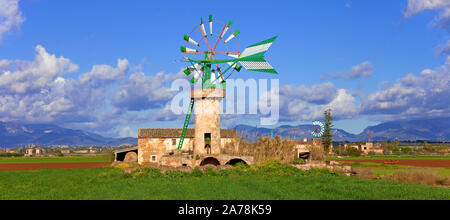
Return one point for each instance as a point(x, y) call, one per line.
point(33, 151)
point(367, 148)
point(303, 148)
point(159, 146)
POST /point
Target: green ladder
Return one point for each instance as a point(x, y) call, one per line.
point(186, 124)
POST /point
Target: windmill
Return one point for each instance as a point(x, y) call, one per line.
point(317, 133)
point(207, 53)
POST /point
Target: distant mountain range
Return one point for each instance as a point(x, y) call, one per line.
point(404, 130)
point(14, 134)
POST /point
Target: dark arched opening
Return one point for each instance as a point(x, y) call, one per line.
point(235, 161)
point(304, 155)
point(210, 160)
point(120, 156)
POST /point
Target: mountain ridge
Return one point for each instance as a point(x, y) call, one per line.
point(404, 130)
point(14, 134)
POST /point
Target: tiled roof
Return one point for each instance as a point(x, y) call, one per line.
point(176, 133)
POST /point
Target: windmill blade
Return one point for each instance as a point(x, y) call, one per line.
point(226, 29)
point(188, 50)
point(210, 25)
point(197, 74)
point(192, 69)
point(232, 36)
point(190, 40)
point(234, 55)
point(203, 28)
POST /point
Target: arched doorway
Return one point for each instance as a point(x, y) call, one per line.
point(235, 161)
point(210, 160)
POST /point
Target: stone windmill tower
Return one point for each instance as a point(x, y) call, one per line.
point(207, 120)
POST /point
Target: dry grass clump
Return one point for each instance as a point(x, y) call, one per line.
point(363, 173)
point(265, 148)
point(420, 176)
point(317, 153)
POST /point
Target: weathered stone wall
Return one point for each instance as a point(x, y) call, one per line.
point(159, 146)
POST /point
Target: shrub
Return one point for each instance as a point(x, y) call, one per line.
point(394, 148)
point(122, 166)
point(110, 157)
point(299, 161)
point(351, 151)
point(406, 150)
point(317, 153)
point(11, 155)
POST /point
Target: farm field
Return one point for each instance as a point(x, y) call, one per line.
point(72, 159)
point(388, 157)
point(406, 162)
point(67, 162)
point(270, 181)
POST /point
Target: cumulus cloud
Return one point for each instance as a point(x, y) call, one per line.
point(127, 132)
point(303, 103)
point(141, 92)
point(10, 16)
point(440, 7)
point(362, 70)
point(4, 65)
point(316, 94)
point(414, 96)
point(101, 74)
point(33, 76)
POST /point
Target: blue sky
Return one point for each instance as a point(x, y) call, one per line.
point(360, 52)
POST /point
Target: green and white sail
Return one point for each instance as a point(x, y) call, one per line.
point(190, 40)
point(227, 26)
point(210, 24)
point(202, 26)
point(252, 58)
point(232, 36)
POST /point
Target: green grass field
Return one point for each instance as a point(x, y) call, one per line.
point(272, 181)
point(9, 160)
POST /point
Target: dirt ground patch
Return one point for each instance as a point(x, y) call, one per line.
point(409, 162)
point(65, 165)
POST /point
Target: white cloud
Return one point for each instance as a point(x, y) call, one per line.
point(440, 7)
point(414, 96)
point(141, 92)
point(4, 65)
point(33, 76)
point(106, 73)
point(127, 132)
point(36, 91)
point(303, 103)
point(10, 16)
point(362, 70)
